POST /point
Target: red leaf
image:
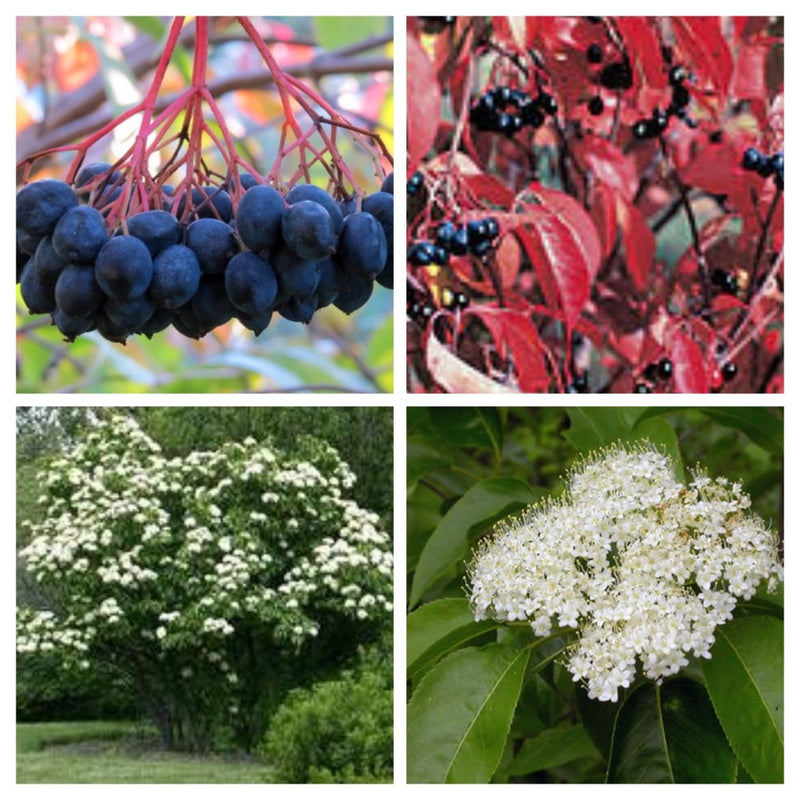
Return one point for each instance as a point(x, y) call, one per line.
point(638, 241)
point(609, 165)
point(701, 39)
point(507, 259)
point(604, 215)
point(645, 49)
point(574, 217)
point(559, 262)
point(489, 189)
point(689, 366)
point(423, 103)
point(514, 334)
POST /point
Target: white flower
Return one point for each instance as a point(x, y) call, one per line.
point(642, 566)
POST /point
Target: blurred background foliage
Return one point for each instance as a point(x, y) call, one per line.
point(74, 74)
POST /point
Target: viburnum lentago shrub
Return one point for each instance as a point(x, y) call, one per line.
point(183, 572)
point(642, 566)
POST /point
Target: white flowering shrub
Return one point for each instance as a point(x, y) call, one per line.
point(644, 568)
point(213, 581)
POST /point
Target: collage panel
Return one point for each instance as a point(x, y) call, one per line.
point(204, 204)
point(204, 595)
point(595, 595)
point(595, 205)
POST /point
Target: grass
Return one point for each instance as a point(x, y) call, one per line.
point(118, 752)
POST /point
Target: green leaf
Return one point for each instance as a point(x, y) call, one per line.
point(467, 427)
point(763, 427)
point(481, 506)
point(422, 456)
point(552, 748)
point(490, 417)
point(460, 715)
point(591, 428)
point(598, 720)
point(760, 425)
point(745, 682)
point(669, 734)
point(438, 627)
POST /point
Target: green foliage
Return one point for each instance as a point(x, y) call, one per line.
point(669, 734)
point(745, 683)
point(335, 731)
point(467, 468)
point(46, 691)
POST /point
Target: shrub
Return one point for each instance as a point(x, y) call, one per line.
point(336, 731)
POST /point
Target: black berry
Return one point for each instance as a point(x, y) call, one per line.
point(594, 53)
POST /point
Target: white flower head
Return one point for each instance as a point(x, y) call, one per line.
point(641, 566)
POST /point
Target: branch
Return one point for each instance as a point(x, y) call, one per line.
point(81, 112)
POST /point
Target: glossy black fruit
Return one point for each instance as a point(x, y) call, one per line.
point(214, 244)
point(308, 230)
point(37, 295)
point(130, 314)
point(80, 234)
point(665, 368)
point(157, 229)
point(751, 159)
point(49, 264)
point(78, 294)
point(299, 309)
point(362, 246)
point(124, 267)
point(257, 323)
point(297, 277)
point(415, 184)
point(159, 320)
point(355, 293)
point(330, 282)
point(251, 283)
point(617, 75)
point(176, 276)
point(381, 206)
point(207, 202)
point(40, 205)
point(258, 218)
point(594, 53)
point(72, 327)
point(596, 106)
point(306, 191)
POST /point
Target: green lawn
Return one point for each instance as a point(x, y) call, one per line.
point(117, 752)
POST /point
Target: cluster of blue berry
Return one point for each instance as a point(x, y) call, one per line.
point(764, 165)
point(477, 237)
point(659, 120)
point(506, 110)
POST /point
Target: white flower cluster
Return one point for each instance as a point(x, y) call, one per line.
point(642, 566)
point(185, 551)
